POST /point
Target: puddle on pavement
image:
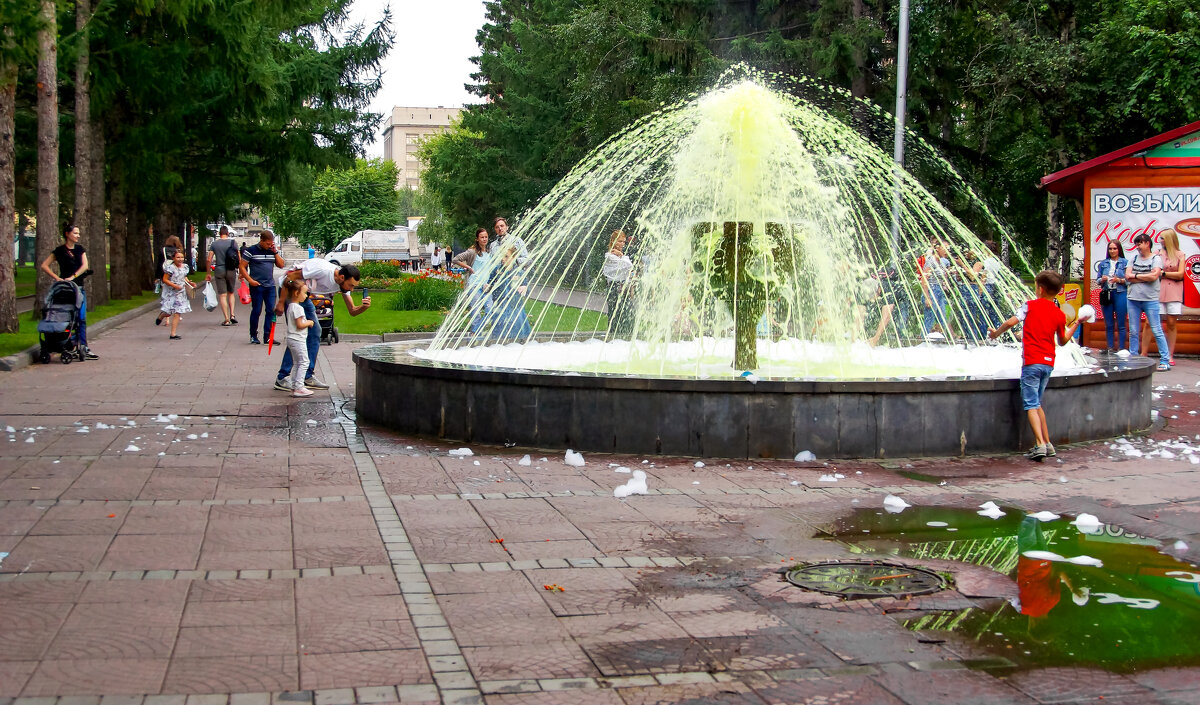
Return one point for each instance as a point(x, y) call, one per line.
point(1139, 610)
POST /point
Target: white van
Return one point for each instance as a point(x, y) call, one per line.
point(366, 245)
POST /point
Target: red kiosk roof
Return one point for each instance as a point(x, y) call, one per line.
point(1069, 181)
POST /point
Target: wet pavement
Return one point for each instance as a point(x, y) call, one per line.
point(178, 533)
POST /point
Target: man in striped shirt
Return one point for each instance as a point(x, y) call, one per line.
point(258, 267)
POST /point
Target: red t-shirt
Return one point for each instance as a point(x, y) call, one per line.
point(1043, 321)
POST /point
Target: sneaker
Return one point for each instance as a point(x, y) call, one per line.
point(255, 341)
point(1037, 453)
point(1050, 452)
point(315, 383)
point(282, 385)
point(302, 392)
point(88, 354)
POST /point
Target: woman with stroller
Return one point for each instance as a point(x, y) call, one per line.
point(72, 263)
point(175, 292)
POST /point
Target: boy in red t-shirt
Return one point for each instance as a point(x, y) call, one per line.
point(1043, 323)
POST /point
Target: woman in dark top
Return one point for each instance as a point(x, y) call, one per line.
point(72, 262)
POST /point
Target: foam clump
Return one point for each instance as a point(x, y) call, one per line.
point(1180, 546)
point(1087, 523)
point(574, 459)
point(636, 485)
point(990, 510)
point(1087, 313)
point(1044, 516)
point(894, 505)
point(131, 448)
point(805, 456)
point(525, 461)
point(462, 452)
point(699, 464)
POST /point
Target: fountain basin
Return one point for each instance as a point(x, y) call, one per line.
point(733, 418)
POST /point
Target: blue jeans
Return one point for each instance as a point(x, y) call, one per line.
point(262, 298)
point(1034, 379)
point(81, 330)
point(936, 314)
point(974, 317)
point(1115, 319)
point(313, 343)
point(1151, 309)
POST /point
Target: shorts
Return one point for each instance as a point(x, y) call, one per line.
point(1034, 379)
point(226, 282)
point(1172, 308)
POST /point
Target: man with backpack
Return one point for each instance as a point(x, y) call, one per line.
point(223, 265)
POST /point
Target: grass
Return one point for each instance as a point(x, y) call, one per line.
point(380, 318)
point(11, 343)
point(26, 277)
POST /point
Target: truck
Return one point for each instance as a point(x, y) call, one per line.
point(400, 244)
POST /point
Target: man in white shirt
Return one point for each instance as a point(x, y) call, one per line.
point(326, 279)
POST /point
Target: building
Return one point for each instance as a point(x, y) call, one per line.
point(402, 138)
point(1143, 188)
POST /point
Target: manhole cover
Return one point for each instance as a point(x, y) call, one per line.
point(865, 579)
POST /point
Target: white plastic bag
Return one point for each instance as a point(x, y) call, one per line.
point(210, 296)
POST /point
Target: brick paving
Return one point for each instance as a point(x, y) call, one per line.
point(178, 533)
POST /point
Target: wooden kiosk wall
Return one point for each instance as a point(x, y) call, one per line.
point(1132, 174)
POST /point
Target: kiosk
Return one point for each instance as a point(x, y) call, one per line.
point(1143, 188)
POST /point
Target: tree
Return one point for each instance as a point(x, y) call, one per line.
point(85, 162)
point(340, 203)
point(19, 19)
point(47, 112)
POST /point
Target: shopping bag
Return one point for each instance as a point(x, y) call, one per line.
point(210, 296)
point(244, 292)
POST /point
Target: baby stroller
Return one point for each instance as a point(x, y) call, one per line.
point(324, 306)
point(58, 329)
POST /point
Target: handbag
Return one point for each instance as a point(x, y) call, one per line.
point(1106, 298)
point(244, 292)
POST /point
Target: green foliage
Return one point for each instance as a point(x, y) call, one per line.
point(340, 203)
point(425, 293)
point(381, 318)
point(1007, 91)
point(378, 270)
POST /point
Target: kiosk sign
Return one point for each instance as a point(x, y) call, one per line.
point(1121, 214)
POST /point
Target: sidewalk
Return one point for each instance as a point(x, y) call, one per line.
point(179, 533)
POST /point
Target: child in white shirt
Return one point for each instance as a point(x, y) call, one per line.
point(295, 291)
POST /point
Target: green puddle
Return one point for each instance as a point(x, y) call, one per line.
point(1139, 610)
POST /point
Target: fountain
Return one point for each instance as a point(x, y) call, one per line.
point(770, 308)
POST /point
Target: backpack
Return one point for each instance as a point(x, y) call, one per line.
point(232, 261)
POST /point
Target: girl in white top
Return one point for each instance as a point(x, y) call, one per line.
point(295, 291)
point(616, 269)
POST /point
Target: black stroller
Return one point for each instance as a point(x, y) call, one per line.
point(324, 306)
point(58, 331)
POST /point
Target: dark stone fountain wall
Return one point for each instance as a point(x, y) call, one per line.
point(734, 418)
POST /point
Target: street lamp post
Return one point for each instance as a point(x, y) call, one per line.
point(901, 107)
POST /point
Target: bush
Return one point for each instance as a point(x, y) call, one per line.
point(426, 293)
point(379, 270)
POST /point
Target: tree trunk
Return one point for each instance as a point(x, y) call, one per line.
point(139, 257)
point(118, 230)
point(8, 197)
point(97, 285)
point(1054, 233)
point(83, 145)
point(202, 248)
point(47, 121)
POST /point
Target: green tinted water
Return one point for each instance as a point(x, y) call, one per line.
point(1139, 610)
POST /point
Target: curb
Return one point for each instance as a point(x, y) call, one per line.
point(26, 357)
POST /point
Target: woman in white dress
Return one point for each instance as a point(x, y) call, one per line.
point(616, 269)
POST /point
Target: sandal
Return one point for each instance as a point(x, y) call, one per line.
point(1163, 367)
point(226, 324)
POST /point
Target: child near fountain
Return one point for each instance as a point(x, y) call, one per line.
point(1044, 324)
point(295, 291)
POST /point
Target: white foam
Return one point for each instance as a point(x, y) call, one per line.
point(573, 459)
point(622, 469)
point(636, 485)
point(699, 464)
point(131, 448)
point(525, 460)
point(936, 524)
point(894, 505)
point(1044, 516)
point(1087, 523)
point(827, 478)
point(462, 452)
point(1180, 546)
point(805, 456)
point(990, 510)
